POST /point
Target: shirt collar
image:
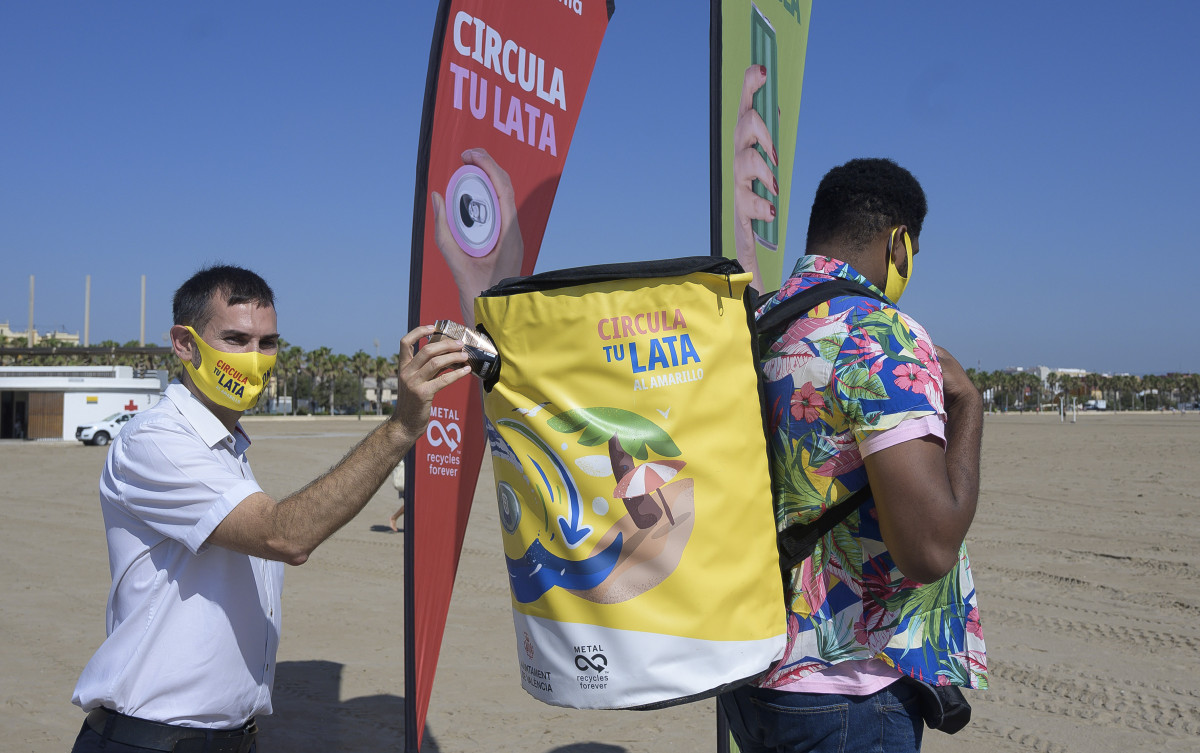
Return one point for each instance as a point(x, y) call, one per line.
point(820, 268)
point(210, 429)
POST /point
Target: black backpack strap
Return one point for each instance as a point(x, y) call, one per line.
point(796, 542)
point(760, 299)
point(774, 321)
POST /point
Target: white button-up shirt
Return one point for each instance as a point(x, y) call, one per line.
point(192, 629)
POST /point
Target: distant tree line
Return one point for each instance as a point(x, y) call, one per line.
point(325, 381)
point(331, 382)
point(1003, 390)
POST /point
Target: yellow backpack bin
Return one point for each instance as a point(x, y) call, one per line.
point(630, 459)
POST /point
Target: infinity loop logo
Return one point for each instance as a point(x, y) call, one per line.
point(448, 434)
point(598, 663)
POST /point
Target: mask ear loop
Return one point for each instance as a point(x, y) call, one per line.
point(197, 356)
point(894, 287)
point(907, 239)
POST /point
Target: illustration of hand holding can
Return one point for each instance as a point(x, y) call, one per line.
point(754, 163)
point(476, 228)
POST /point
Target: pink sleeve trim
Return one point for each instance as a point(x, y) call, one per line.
point(913, 428)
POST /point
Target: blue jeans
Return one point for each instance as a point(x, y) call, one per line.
point(774, 721)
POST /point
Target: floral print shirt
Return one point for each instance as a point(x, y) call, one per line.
point(840, 381)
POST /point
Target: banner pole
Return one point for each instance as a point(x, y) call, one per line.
point(411, 738)
point(412, 721)
point(722, 730)
point(715, 67)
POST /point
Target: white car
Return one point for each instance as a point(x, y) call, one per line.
point(102, 432)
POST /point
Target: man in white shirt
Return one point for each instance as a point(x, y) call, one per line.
point(196, 547)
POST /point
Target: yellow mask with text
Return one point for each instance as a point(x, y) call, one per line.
point(231, 380)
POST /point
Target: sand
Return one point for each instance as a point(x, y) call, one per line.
point(1085, 548)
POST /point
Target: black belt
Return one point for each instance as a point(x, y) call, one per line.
point(143, 733)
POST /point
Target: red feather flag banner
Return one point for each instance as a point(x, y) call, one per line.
point(505, 87)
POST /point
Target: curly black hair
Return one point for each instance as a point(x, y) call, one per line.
point(236, 285)
point(857, 201)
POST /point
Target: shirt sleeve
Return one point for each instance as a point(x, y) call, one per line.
point(886, 376)
point(174, 484)
point(914, 428)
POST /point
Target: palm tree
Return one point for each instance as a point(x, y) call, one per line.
point(53, 355)
point(983, 383)
point(1006, 385)
point(129, 359)
point(629, 437)
point(384, 367)
point(1129, 384)
point(302, 366)
point(360, 363)
point(319, 362)
point(337, 366)
point(287, 362)
point(1179, 383)
point(1152, 385)
point(1191, 386)
point(1033, 389)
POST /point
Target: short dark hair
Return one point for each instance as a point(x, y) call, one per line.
point(857, 201)
point(190, 306)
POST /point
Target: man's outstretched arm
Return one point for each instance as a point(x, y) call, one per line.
point(290, 529)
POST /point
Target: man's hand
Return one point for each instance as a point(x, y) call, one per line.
point(423, 373)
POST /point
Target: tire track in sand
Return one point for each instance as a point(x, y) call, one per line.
point(1158, 708)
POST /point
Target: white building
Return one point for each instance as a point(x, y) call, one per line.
point(1045, 371)
point(372, 393)
point(22, 338)
point(48, 402)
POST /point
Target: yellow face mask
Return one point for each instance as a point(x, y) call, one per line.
point(896, 282)
point(231, 380)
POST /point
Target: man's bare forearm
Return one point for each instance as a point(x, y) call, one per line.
point(313, 514)
point(964, 438)
point(290, 530)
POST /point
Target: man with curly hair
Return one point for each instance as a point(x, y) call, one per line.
point(858, 395)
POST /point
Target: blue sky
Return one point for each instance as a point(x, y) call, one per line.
point(1056, 142)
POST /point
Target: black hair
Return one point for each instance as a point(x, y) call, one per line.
point(857, 201)
point(235, 285)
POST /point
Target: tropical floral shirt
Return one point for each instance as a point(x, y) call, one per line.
point(836, 379)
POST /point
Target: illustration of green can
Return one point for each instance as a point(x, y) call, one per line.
point(763, 51)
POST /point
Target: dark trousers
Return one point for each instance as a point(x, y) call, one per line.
point(90, 741)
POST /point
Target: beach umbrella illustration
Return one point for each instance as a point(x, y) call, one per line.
point(629, 437)
point(649, 478)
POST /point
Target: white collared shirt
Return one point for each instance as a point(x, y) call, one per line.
point(192, 629)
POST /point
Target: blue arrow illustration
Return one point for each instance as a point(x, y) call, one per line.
point(573, 530)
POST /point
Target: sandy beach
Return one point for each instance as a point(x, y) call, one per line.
point(1086, 550)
